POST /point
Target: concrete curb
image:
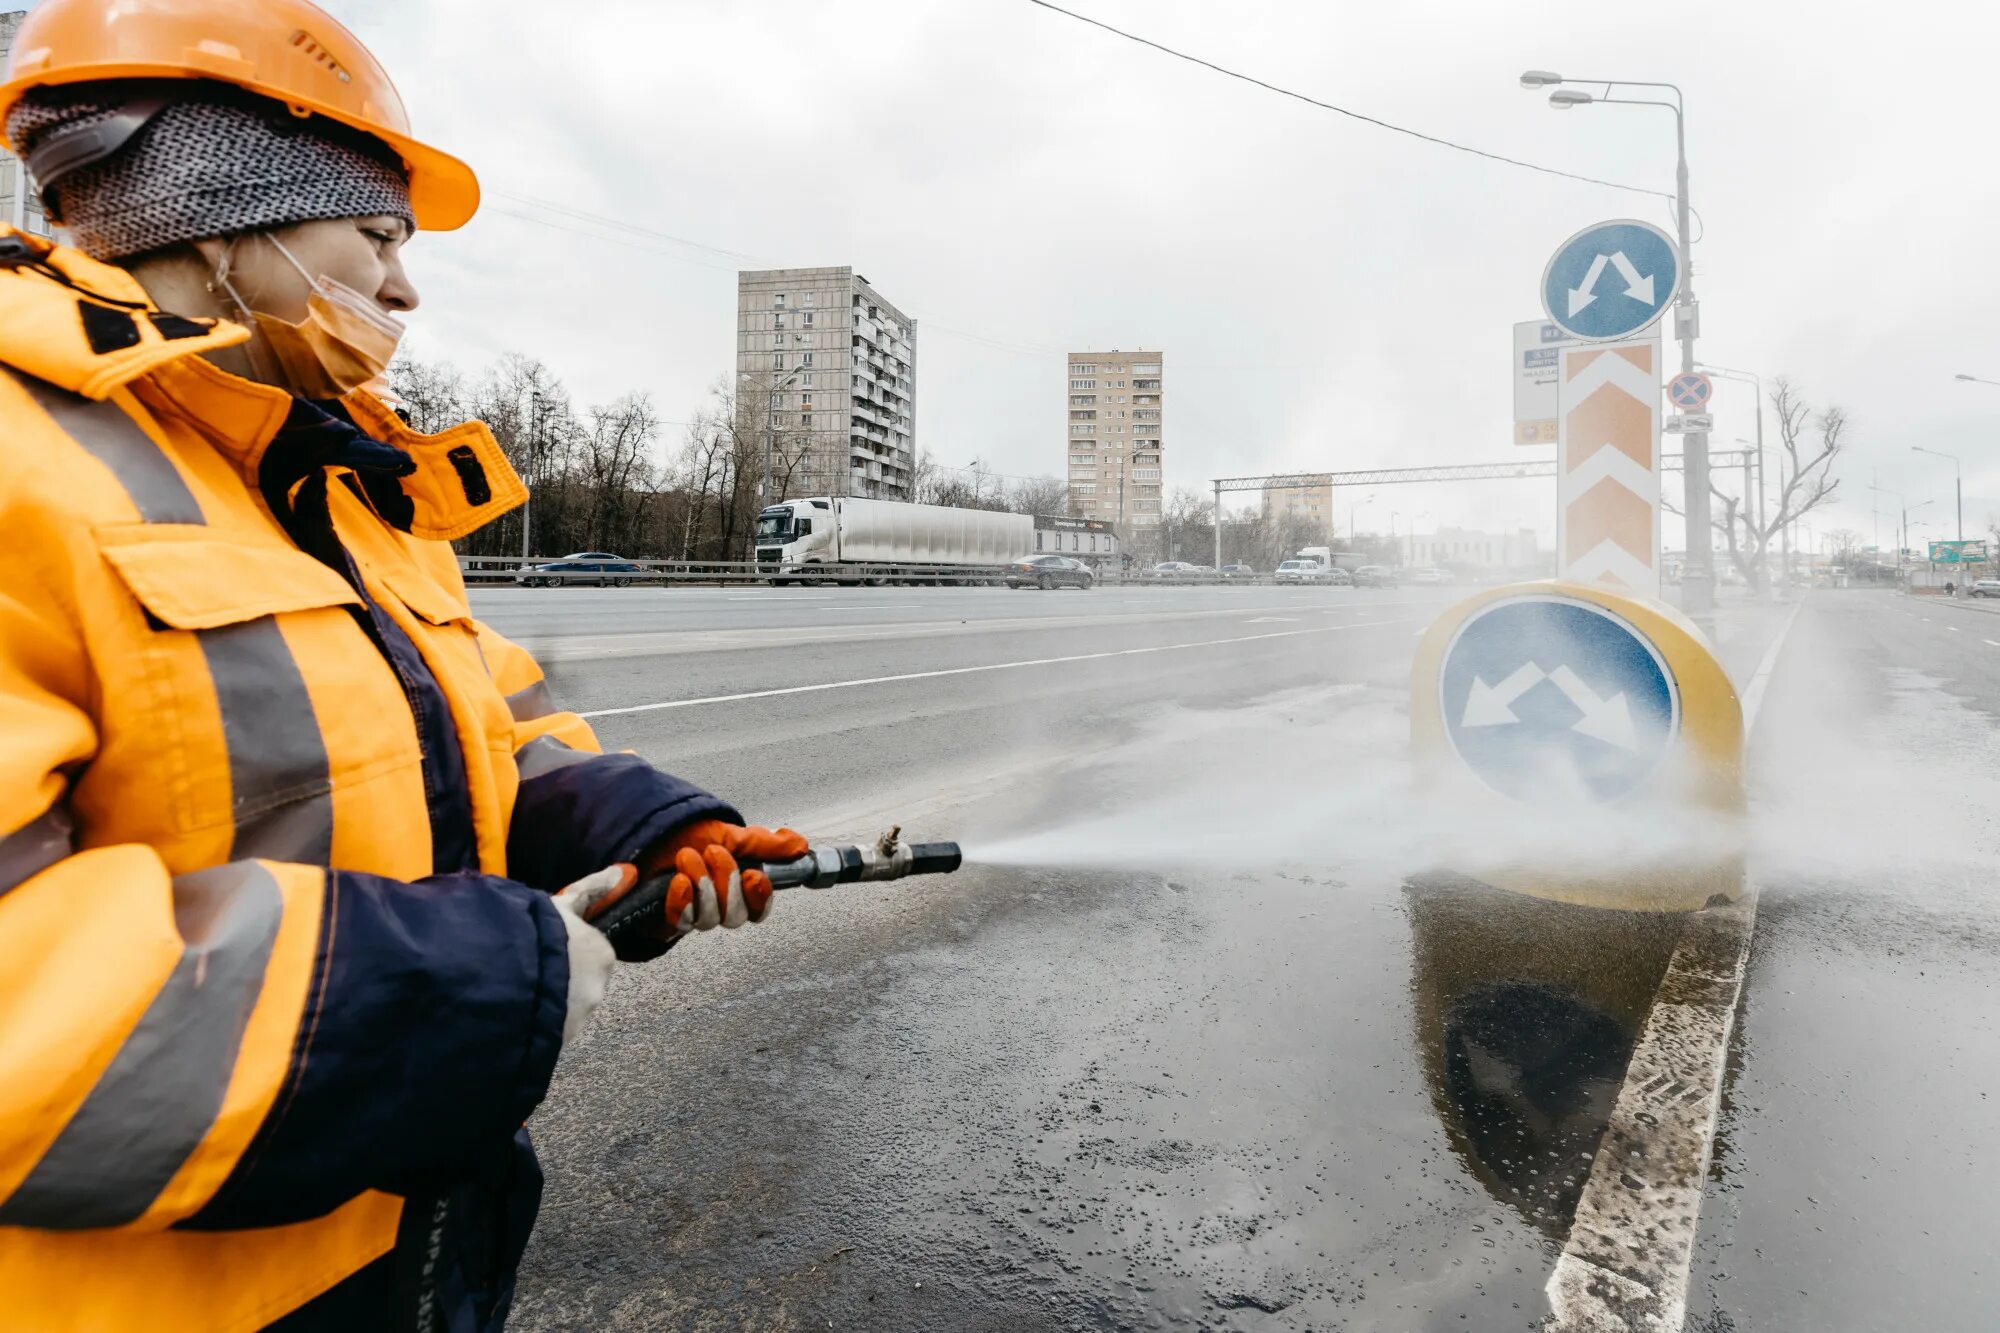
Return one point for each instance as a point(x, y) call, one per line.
point(1625, 1266)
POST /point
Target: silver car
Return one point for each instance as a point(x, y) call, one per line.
point(609, 572)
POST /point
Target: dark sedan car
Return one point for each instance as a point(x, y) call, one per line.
point(1049, 571)
point(604, 573)
point(1375, 576)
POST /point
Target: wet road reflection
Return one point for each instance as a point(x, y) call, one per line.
point(1526, 1014)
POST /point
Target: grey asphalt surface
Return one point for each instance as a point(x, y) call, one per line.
point(1289, 1093)
point(1857, 1178)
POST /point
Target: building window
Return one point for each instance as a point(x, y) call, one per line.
point(1083, 430)
point(778, 301)
point(1082, 399)
point(806, 319)
point(777, 340)
point(805, 381)
point(808, 298)
point(1152, 369)
point(1083, 367)
point(806, 360)
point(802, 339)
point(1083, 458)
point(1083, 488)
point(1145, 414)
point(1145, 384)
point(1083, 384)
point(806, 420)
point(1145, 474)
point(778, 361)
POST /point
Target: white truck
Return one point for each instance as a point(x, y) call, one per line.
point(904, 540)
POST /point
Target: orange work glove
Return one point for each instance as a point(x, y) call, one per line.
point(708, 888)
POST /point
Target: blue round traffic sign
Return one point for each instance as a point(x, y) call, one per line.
point(1611, 280)
point(1548, 698)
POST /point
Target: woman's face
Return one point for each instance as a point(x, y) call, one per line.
point(363, 253)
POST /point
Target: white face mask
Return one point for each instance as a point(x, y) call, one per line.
point(345, 341)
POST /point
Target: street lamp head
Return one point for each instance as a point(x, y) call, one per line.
point(1540, 78)
point(1966, 377)
point(1562, 99)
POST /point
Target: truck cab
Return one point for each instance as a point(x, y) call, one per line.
point(794, 534)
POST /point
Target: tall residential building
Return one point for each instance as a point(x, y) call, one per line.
point(1307, 510)
point(1116, 411)
point(826, 376)
point(20, 205)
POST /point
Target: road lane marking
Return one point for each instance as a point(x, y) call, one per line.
point(971, 670)
point(1625, 1264)
point(1952, 628)
point(1995, 643)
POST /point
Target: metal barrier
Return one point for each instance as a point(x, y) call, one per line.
point(492, 570)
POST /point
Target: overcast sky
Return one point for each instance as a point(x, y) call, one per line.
point(1328, 294)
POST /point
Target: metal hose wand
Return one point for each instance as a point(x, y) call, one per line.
point(820, 868)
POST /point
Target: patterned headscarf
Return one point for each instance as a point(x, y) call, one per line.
point(216, 161)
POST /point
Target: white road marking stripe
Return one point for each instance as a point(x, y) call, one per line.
point(1625, 1264)
point(971, 670)
point(1991, 642)
point(1952, 628)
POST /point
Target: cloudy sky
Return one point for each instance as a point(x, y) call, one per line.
point(1328, 294)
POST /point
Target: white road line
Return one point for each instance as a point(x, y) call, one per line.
point(1952, 628)
point(1991, 643)
point(971, 670)
point(1625, 1264)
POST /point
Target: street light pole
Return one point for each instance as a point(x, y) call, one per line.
point(1751, 377)
point(1699, 576)
point(771, 435)
point(534, 445)
point(1957, 482)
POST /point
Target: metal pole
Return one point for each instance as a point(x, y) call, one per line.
point(1699, 577)
point(1958, 491)
point(1218, 525)
point(534, 434)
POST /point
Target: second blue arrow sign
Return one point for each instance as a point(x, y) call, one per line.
point(1611, 280)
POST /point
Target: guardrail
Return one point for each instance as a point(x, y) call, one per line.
point(491, 570)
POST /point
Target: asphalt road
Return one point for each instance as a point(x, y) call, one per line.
point(1857, 1182)
point(1199, 1040)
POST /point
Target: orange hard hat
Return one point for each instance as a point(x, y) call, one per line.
point(287, 50)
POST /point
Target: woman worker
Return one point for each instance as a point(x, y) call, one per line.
point(282, 968)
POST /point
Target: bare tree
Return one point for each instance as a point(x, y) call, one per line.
point(1039, 495)
point(1809, 443)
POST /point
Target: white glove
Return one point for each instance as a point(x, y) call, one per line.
point(591, 956)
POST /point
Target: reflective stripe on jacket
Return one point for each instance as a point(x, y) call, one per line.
point(236, 1084)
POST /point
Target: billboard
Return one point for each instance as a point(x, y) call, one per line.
point(1958, 553)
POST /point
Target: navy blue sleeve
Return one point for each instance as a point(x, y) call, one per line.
point(430, 1032)
point(578, 812)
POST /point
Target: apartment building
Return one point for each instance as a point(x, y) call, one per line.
point(1116, 418)
point(1308, 509)
point(20, 205)
point(826, 374)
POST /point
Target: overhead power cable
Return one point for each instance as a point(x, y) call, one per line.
point(1344, 111)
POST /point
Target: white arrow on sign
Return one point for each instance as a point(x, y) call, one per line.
point(1607, 720)
point(1490, 705)
point(1638, 288)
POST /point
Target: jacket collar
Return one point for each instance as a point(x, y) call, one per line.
point(88, 327)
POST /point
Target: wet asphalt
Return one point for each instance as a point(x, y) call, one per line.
point(1857, 1175)
point(1300, 1094)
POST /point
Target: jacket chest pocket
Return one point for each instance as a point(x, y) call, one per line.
point(254, 691)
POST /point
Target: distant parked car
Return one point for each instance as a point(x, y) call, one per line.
point(1297, 571)
point(1238, 572)
point(593, 555)
point(1984, 588)
point(605, 573)
point(1427, 576)
point(1204, 573)
point(1338, 578)
point(1174, 571)
point(1376, 576)
point(1049, 571)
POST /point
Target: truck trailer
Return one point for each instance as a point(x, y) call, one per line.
point(904, 540)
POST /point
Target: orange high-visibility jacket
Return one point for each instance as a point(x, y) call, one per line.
point(279, 976)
